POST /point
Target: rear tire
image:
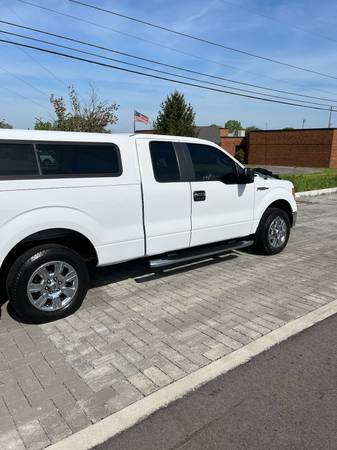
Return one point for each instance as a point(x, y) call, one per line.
point(47, 282)
point(273, 232)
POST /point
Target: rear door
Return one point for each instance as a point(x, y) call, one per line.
point(167, 195)
point(221, 208)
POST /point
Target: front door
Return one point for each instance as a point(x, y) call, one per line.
point(221, 208)
point(166, 196)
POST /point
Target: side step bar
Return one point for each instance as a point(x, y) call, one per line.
point(182, 256)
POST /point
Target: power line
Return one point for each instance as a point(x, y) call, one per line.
point(122, 33)
point(157, 62)
point(23, 81)
point(181, 52)
point(25, 98)
point(32, 57)
point(206, 41)
point(154, 70)
point(123, 69)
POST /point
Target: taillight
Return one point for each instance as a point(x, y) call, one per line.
point(293, 192)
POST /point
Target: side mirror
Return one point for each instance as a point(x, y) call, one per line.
point(246, 176)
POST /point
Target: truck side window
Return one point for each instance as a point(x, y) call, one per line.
point(164, 162)
point(211, 164)
point(91, 160)
point(17, 160)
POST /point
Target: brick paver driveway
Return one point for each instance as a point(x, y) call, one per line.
point(138, 331)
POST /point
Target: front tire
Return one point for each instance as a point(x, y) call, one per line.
point(274, 230)
point(47, 283)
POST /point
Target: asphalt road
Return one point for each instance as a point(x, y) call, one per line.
point(285, 398)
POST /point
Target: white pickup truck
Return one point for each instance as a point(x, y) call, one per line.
point(109, 198)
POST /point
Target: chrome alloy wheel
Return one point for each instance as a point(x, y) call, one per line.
point(277, 232)
point(52, 286)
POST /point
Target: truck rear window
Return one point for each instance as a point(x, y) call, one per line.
point(48, 160)
point(79, 159)
point(17, 160)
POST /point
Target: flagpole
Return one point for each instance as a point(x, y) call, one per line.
point(134, 123)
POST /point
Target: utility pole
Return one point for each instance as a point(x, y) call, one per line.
point(330, 115)
point(303, 122)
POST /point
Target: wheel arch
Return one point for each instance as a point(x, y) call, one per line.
point(63, 236)
point(285, 206)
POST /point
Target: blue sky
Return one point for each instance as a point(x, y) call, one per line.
point(273, 28)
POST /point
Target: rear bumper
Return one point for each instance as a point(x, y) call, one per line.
point(294, 218)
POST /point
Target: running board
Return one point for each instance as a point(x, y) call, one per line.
point(196, 253)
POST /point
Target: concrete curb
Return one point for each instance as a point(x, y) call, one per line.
point(316, 192)
point(138, 411)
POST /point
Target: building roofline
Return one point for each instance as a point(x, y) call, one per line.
point(233, 137)
point(295, 129)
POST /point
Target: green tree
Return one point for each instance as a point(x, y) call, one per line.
point(176, 117)
point(94, 116)
point(233, 125)
point(288, 129)
point(252, 128)
point(4, 124)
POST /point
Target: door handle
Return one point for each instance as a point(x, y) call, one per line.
point(199, 196)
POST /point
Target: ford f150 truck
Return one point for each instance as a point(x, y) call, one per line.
point(110, 198)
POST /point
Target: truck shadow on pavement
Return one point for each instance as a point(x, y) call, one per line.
point(139, 271)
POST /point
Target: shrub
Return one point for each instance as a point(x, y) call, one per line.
point(312, 181)
point(240, 155)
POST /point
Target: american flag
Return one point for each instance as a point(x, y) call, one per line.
point(138, 117)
